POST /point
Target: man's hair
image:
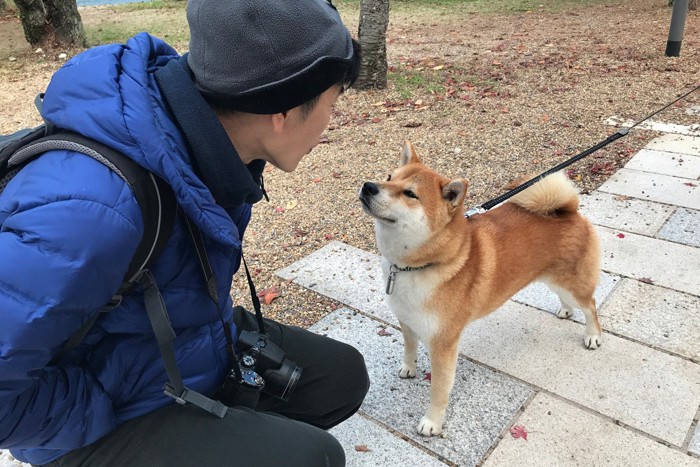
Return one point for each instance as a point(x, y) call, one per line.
point(346, 81)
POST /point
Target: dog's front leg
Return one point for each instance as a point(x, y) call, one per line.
point(443, 363)
point(410, 352)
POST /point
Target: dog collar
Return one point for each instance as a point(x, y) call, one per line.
point(393, 269)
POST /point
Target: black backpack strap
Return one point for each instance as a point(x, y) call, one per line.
point(154, 198)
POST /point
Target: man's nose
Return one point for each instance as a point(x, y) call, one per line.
point(370, 188)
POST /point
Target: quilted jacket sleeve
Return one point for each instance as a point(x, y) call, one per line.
point(68, 229)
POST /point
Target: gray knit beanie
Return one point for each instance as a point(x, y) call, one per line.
point(268, 56)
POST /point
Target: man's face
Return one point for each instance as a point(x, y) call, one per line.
point(300, 134)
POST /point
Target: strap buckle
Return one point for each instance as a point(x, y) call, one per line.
point(180, 398)
point(113, 303)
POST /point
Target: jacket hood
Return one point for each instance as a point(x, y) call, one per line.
point(109, 93)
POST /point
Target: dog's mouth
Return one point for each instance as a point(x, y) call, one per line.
point(368, 210)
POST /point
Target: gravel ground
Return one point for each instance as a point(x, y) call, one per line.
point(485, 97)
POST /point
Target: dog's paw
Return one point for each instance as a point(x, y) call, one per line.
point(407, 371)
point(565, 313)
point(427, 427)
point(593, 341)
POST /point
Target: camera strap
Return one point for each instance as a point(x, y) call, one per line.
point(254, 297)
point(165, 336)
point(246, 396)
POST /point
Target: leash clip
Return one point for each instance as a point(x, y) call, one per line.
point(474, 211)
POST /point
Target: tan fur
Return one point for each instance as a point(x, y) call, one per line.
point(475, 264)
point(551, 194)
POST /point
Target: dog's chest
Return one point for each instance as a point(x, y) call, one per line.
point(408, 300)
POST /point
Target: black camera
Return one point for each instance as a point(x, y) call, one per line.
point(243, 391)
point(267, 359)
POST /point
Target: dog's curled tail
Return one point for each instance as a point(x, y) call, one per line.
point(554, 193)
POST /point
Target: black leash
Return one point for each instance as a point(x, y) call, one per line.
point(619, 134)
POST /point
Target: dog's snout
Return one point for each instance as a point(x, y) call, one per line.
point(370, 188)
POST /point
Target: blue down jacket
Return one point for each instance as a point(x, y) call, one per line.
point(68, 229)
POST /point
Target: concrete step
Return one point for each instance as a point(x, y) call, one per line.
point(560, 434)
point(665, 162)
point(368, 443)
point(681, 144)
point(684, 192)
point(662, 262)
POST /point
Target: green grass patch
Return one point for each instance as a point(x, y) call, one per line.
point(152, 5)
point(118, 32)
point(410, 84)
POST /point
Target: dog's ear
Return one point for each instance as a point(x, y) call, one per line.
point(455, 191)
point(408, 154)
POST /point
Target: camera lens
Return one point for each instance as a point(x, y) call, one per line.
point(282, 381)
point(292, 384)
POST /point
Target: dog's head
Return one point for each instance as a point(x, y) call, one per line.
point(413, 204)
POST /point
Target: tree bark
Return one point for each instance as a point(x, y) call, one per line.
point(51, 23)
point(374, 20)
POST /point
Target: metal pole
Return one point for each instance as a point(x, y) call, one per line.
point(675, 33)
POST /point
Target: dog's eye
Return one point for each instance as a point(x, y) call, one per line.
point(388, 179)
point(410, 194)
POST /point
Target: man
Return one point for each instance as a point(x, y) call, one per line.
point(258, 85)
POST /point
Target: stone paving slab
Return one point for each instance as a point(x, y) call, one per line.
point(560, 434)
point(642, 387)
point(653, 391)
point(383, 448)
point(6, 460)
point(683, 227)
point(677, 191)
point(346, 274)
point(667, 163)
point(676, 143)
point(654, 315)
point(482, 403)
point(694, 446)
point(625, 213)
point(665, 263)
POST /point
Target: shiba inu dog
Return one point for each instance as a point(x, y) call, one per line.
point(443, 270)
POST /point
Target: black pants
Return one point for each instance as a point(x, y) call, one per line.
point(332, 386)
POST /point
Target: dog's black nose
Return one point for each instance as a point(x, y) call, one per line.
point(370, 188)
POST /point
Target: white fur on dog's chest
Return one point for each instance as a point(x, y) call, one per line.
point(408, 300)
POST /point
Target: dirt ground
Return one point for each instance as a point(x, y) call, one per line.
point(487, 97)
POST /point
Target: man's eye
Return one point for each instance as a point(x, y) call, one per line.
point(410, 194)
point(388, 179)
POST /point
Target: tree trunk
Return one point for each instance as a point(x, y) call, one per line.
point(374, 19)
point(51, 23)
point(3, 6)
point(692, 4)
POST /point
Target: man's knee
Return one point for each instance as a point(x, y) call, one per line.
point(355, 373)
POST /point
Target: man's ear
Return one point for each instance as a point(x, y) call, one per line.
point(455, 191)
point(408, 154)
point(279, 122)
